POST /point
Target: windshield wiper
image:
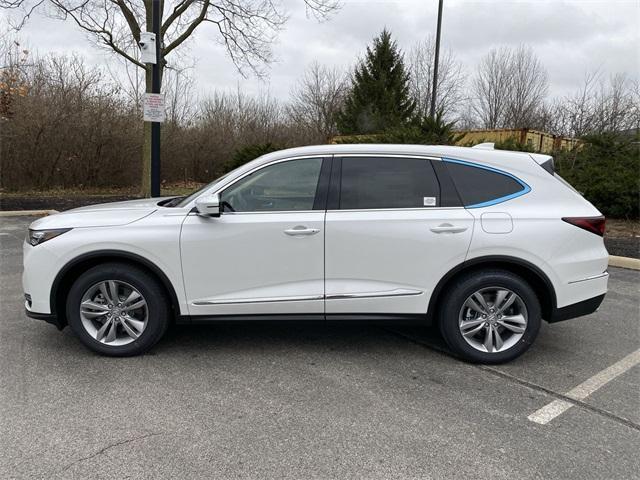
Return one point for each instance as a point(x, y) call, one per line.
point(171, 202)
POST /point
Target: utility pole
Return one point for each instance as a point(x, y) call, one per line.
point(155, 88)
point(434, 88)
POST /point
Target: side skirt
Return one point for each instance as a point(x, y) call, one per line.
point(383, 318)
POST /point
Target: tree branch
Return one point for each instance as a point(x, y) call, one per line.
point(178, 10)
point(189, 30)
point(130, 18)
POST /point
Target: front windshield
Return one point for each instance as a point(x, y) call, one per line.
point(185, 201)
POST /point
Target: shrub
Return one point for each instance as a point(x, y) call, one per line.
point(250, 152)
point(607, 172)
point(422, 131)
point(514, 145)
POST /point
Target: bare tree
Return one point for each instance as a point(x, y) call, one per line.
point(247, 29)
point(490, 87)
point(316, 101)
point(180, 104)
point(509, 88)
point(528, 89)
point(599, 105)
point(451, 79)
point(13, 70)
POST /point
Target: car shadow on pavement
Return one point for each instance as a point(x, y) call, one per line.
point(263, 336)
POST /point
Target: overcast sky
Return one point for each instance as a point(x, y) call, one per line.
point(570, 37)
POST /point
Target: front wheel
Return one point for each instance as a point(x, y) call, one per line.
point(490, 316)
point(117, 309)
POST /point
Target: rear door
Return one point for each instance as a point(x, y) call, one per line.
point(392, 231)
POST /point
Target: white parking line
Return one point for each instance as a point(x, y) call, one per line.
point(586, 388)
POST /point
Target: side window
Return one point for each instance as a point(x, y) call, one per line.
point(284, 186)
point(388, 182)
point(478, 186)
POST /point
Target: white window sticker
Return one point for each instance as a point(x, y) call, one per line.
point(429, 201)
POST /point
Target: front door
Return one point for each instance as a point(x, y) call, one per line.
point(265, 253)
point(391, 234)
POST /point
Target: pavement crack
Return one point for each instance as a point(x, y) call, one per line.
point(108, 447)
point(526, 383)
point(578, 403)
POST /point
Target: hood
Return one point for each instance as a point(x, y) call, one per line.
point(101, 215)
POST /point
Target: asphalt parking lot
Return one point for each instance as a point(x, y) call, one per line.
point(317, 401)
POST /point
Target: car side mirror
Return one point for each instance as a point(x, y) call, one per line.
point(208, 205)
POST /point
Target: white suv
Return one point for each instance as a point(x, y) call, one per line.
point(486, 243)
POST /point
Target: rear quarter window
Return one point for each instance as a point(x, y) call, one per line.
point(480, 186)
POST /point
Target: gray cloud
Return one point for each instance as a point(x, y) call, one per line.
point(569, 37)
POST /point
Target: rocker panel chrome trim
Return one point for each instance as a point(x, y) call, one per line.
point(227, 301)
point(398, 292)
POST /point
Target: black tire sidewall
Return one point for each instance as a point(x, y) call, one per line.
point(466, 286)
point(145, 283)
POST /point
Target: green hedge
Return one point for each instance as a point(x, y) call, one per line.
point(606, 170)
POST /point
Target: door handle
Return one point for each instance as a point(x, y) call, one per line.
point(447, 228)
point(301, 230)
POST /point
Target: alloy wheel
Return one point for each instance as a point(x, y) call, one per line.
point(493, 319)
point(114, 312)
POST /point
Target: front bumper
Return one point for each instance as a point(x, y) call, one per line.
point(47, 317)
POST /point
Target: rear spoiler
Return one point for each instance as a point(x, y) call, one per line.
point(545, 161)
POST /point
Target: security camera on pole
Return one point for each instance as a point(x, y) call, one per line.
point(153, 105)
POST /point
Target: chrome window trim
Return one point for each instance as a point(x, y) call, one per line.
point(265, 212)
point(388, 155)
point(271, 212)
point(417, 209)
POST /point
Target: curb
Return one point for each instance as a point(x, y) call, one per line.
point(624, 262)
point(21, 213)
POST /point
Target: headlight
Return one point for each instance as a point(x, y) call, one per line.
point(36, 237)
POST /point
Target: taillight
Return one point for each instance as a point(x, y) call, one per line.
point(591, 224)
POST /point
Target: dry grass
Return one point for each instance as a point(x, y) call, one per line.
point(620, 228)
point(177, 188)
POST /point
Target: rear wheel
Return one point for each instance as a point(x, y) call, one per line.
point(117, 309)
point(490, 316)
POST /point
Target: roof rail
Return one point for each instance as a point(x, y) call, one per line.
point(485, 146)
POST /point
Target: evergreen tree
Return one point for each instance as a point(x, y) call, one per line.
point(379, 98)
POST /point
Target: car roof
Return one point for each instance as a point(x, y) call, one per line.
point(516, 162)
point(498, 158)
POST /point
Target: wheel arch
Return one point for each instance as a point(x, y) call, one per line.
point(532, 274)
point(82, 263)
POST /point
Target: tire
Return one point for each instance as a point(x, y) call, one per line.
point(516, 327)
point(130, 330)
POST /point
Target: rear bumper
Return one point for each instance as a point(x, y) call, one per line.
point(579, 309)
